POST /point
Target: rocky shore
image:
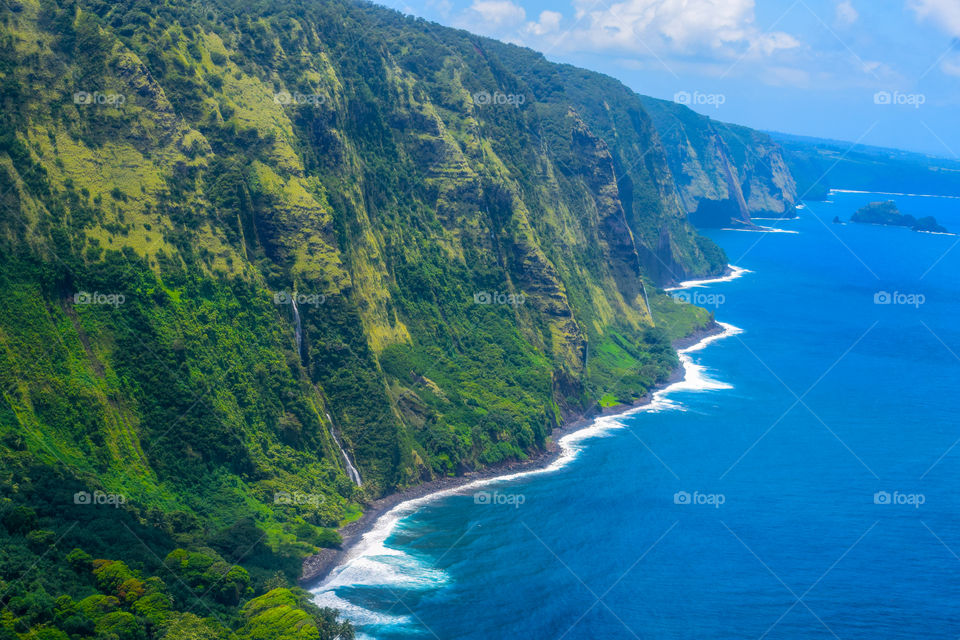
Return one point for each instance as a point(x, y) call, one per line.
point(318, 566)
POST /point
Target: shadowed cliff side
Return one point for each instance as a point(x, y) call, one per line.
point(726, 174)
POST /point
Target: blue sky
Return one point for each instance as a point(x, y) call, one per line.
point(882, 72)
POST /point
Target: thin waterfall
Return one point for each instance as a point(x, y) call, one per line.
point(351, 470)
point(297, 328)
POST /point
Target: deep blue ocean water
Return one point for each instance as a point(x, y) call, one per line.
point(832, 453)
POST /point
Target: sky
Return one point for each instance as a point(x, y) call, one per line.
point(880, 72)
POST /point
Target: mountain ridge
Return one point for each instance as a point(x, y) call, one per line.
point(725, 173)
point(245, 247)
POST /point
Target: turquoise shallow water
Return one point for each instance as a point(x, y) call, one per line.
point(810, 492)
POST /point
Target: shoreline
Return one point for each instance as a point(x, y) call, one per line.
point(732, 272)
point(318, 568)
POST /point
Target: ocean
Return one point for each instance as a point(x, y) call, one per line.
point(802, 482)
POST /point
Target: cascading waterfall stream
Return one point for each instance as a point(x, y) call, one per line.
point(351, 470)
point(297, 327)
point(298, 335)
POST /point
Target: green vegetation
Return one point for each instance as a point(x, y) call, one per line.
point(725, 174)
point(468, 274)
point(886, 213)
point(198, 599)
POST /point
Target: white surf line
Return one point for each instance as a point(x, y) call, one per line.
point(735, 272)
point(761, 230)
point(891, 193)
point(356, 566)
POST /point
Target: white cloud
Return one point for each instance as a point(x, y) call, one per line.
point(770, 43)
point(549, 23)
point(443, 7)
point(701, 37)
point(685, 27)
point(846, 14)
point(951, 66)
point(493, 17)
point(945, 13)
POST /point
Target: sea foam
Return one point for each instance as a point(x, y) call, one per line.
point(372, 563)
point(892, 193)
point(735, 272)
point(763, 230)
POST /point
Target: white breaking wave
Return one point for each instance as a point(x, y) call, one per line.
point(359, 615)
point(891, 193)
point(735, 272)
point(371, 562)
point(762, 230)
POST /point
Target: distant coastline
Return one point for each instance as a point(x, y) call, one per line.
point(319, 567)
point(891, 193)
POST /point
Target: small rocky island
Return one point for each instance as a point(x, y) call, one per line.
point(886, 213)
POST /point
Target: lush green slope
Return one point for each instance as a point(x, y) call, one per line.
point(474, 239)
point(726, 174)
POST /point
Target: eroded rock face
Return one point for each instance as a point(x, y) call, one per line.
point(465, 221)
point(725, 174)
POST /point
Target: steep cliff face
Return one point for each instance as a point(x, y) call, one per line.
point(459, 222)
point(768, 186)
point(290, 249)
point(725, 174)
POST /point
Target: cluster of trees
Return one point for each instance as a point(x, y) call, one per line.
point(201, 598)
point(197, 201)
